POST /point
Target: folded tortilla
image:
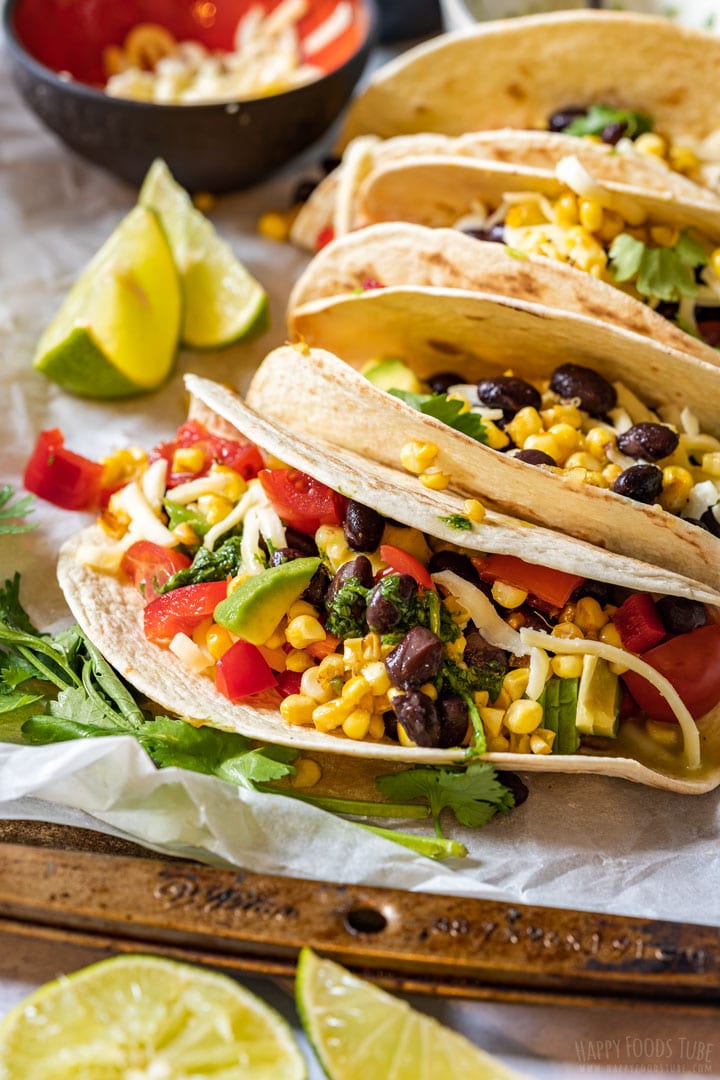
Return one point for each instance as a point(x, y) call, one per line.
point(110, 611)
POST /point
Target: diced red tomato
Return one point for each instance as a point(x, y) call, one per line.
point(691, 662)
point(638, 623)
point(61, 476)
point(182, 610)
point(243, 457)
point(323, 238)
point(405, 563)
point(553, 586)
point(289, 683)
point(149, 566)
point(243, 671)
point(302, 502)
point(370, 283)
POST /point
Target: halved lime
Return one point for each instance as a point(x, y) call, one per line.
point(222, 301)
point(145, 1018)
point(116, 332)
point(358, 1031)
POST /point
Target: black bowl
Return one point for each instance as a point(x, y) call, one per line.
point(217, 147)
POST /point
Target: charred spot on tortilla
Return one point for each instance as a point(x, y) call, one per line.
point(527, 283)
point(445, 348)
point(516, 92)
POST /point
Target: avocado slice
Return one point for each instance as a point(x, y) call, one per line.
point(559, 702)
point(255, 608)
point(391, 373)
point(599, 697)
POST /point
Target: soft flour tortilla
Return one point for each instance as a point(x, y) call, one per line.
point(110, 611)
point(517, 72)
point(402, 254)
point(531, 149)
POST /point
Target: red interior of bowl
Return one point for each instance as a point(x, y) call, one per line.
point(69, 35)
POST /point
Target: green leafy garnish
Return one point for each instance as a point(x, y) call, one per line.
point(599, 116)
point(447, 410)
point(218, 565)
point(12, 512)
point(474, 794)
point(346, 611)
point(181, 515)
point(660, 273)
point(457, 521)
point(420, 609)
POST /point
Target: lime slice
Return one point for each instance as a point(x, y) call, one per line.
point(116, 332)
point(358, 1031)
point(145, 1018)
point(223, 302)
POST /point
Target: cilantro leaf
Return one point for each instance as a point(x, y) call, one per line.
point(13, 512)
point(447, 410)
point(346, 610)
point(457, 521)
point(474, 794)
point(11, 610)
point(225, 561)
point(600, 116)
point(659, 273)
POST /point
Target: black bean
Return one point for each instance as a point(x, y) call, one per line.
point(329, 164)
point(598, 590)
point(455, 561)
point(680, 615)
point(317, 589)
point(390, 722)
point(478, 652)
point(710, 522)
point(512, 780)
point(416, 660)
point(301, 542)
point(382, 613)
point(508, 393)
point(286, 554)
point(359, 568)
point(441, 382)
point(535, 620)
point(454, 719)
point(563, 118)
point(303, 190)
point(613, 133)
point(708, 324)
point(648, 441)
point(535, 457)
point(596, 395)
point(494, 235)
point(417, 714)
point(363, 527)
point(643, 483)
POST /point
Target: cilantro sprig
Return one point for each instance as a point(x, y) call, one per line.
point(599, 116)
point(13, 511)
point(447, 410)
point(661, 273)
point(473, 794)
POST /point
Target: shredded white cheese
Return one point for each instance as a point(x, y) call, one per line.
point(492, 627)
point(144, 523)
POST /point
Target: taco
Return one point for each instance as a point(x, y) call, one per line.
point(650, 246)
point(411, 643)
point(638, 82)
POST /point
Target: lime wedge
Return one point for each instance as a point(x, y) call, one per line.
point(145, 1018)
point(358, 1031)
point(223, 302)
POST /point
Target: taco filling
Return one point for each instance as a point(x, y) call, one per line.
point(265, 580)
point(579, 425)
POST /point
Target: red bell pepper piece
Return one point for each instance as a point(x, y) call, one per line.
point(288, 682)
point(243, 671)
point(553, 586)
point(638, 623)
point(405, 563)
point(61, 476)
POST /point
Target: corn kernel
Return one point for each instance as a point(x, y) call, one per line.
point(566, 209)
point(331, 714)
point(562, 414)
point(617, 669)
point(508, 596)
point(539, 743)
point(301, 607)
point(403, 737)
point(313, 686)
point(598, 439)
point(683, 159)
point(567, 667)
point(611, 635)
point(275, 225)
point(711, 463)
point(523, 716)
point(331, 667)
point(583, 460)
point(667, 734)
point(199, 634)
point(519, 744)
point(188, 459)
point(377, 727)
point(567, 630)
point(218, 641)
point(429, 690)
point(651, 143)
point(664, 235)
point(371, 646)
point(331, 540)
point(591, 215)
point(357, 724)
point(525, 422)
point(436, 481)
point(304, 630)
point(495, 438)
point(185, 534)
point(464, 403)
point(492, 721)
point(459, 614)
point(502, 701)
point(297, 660)
point(589, 616)
point(355, 690)
point(416, 456)
point(498, 745)
point(546, 444)
point(214, 508)
point(481, 698)
point(715, 261)
point(377, 678)
point(307, 773)
point(515, 682)
point(611, 472)
point(567, 438)
point(234, 485)
point(297, 709)
point(677, 485)
point(475, 510)
point(612, 226)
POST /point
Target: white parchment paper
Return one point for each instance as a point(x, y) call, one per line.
point(579, 841)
